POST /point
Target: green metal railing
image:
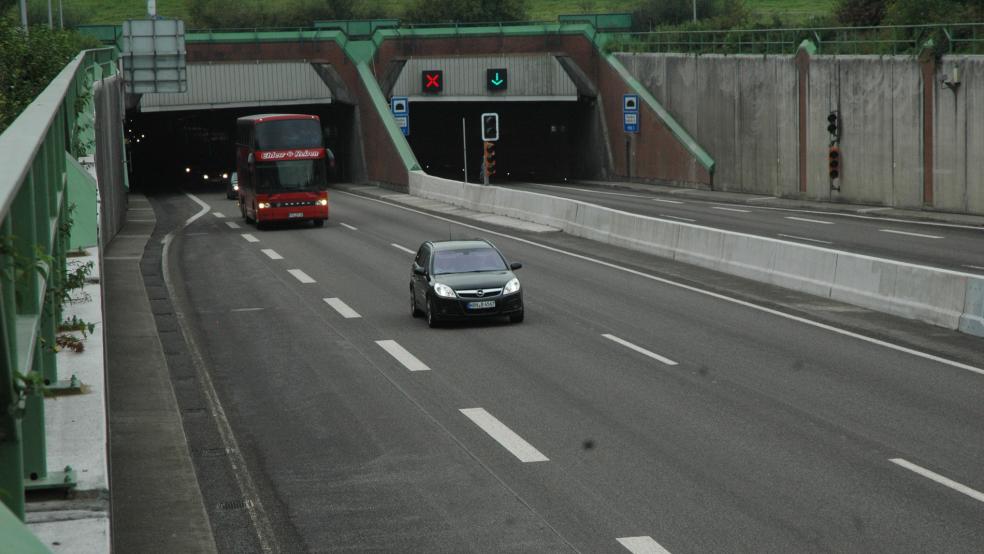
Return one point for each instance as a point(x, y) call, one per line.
point(957, 38)
point(34, 222)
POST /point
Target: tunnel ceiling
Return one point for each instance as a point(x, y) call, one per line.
point(242, 84)
point(532, 77)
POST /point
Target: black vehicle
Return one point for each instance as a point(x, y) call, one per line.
point(464, 279)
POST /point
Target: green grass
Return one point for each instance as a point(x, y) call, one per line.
point(115, 11)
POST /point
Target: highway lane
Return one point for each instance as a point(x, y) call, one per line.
point(767, 434)
point(955, 247)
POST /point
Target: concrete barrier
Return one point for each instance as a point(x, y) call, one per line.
point(945, 298)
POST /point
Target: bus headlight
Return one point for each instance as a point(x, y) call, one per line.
point(322, 201)
point(263, 205)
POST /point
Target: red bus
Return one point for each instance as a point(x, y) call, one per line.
point(280, 161)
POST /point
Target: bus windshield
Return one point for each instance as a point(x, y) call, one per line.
point(292, 176)
point(288, 133)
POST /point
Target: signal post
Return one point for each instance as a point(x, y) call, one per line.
point(490, 134)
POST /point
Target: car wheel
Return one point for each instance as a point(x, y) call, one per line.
point(517, 317)
point(432, 320)
point(319, 223)
point(414, 311)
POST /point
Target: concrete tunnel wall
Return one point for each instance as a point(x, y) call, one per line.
point(744, 111)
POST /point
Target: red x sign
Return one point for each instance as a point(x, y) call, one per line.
point(433, 81)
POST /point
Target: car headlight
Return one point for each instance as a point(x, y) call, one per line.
point(225, 175)
point(235, 187)
point(443, 290)
point(205, 176)
point(511, 287)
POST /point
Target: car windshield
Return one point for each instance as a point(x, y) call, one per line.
point(467, 260)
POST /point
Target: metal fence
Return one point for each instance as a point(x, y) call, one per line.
point(966, 38)
point(34, 221)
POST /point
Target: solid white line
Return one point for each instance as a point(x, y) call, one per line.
point(760, 198)
point(218, 214)
point(504, 435)
point(347, 226)
point(667, 201)
point(939, 479)
point(232, 224)
point(406, 358)
point(301, 276)
point(342, 308)
point(763, 309)
point(810, 220)
point(404, 248)
point(975, 267)
point(642, 545)
point(247, 309)
point(729, 209)
point(676, 217)
point(640, 349)
point(910, 234)
point(250, 238)
point(272, 254)
point(869, 210)
point(804, 238)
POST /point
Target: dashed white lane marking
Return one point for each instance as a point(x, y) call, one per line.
point(301, 276)
point(219, 215)
point(729, 209)
point(347, 226)
point(910, 234)
point(810, 220)
point(272, 254)
point(342, 308)
point(592, 191)
point(687, 219)
point(406, 358)
point(642, 545)
point(975, 267)
point(247, 309)
point(640, 349)
point(963, 489)
point(804, 238)
point(404, 248)
point(232, 224)
point(503, 435)
point(869, 210)
point(250, 238)
point(761, 198)
point(667, 201)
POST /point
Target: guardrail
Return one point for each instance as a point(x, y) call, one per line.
point(34, 221)
point(957, 38)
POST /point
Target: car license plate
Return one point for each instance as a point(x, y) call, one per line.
point(481, 305)
point(295, 214)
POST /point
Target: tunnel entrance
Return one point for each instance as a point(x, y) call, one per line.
point(539, 140)
point(170, 151)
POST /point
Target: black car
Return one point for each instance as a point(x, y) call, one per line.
point(464, 279)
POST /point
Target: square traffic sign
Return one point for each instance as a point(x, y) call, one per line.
point(497, 79)
point(432, 81)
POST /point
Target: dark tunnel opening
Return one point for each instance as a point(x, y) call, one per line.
point(170, 151)
point(539, 141)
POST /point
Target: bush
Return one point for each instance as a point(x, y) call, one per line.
point(860, 13)
point(465, 11)
point(918, 12)
point(717, 14)
point(29, 62)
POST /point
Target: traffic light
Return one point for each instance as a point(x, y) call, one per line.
point(489, 157)
point(833, 125)
point(490, 127)
point(834, 161)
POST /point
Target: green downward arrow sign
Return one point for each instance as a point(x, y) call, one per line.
point(497, 81)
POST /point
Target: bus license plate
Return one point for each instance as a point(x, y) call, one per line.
point(481, 305)
point(295, 214)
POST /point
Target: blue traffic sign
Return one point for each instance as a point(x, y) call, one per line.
point(400, 106)
point(630, 113)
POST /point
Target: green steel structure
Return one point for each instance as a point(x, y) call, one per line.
point(956, 38)
point(35, 222)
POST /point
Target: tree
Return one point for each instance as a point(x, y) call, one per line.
point(860, 13)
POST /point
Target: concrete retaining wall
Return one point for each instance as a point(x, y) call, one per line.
point(744, 111)
point(945, 298)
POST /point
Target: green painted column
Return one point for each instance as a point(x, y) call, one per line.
point(82, 193)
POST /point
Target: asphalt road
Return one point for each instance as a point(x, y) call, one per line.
point(950, 246)
point(626, 414)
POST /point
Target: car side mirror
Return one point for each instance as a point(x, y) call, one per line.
point(417, 270)
point(515, 265)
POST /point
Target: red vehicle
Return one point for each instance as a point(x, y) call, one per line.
point(280, 161)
